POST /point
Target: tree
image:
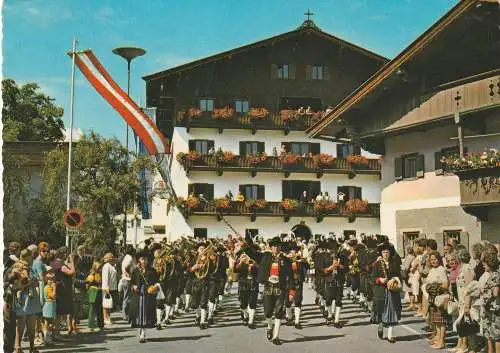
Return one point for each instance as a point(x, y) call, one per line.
point(104, 183)
point(28, 114)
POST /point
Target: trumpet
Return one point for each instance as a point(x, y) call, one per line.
point(247, 260)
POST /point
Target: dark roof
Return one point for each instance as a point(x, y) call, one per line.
point(307, 27)
point(386, 72)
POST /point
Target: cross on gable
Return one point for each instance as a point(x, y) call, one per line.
point(309, 14)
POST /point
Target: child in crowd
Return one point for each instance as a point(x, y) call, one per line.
point(49, 306)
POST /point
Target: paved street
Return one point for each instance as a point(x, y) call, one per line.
point(228, 335)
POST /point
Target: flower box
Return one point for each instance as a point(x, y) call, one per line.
point(489, 158)
point(323, 160)
point(193, 156)
point(288, 114)
point(193, 202)
point(194, 113)
point(258, 113)
point(289, 159)
point(325, 206)
point(222, 203)
point(226, 157)
point(356, 206)
point(256, 159)
point(225, 113)
point(357, 161)
point(290, 204)
point(258, 204)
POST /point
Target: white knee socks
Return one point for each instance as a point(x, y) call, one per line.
point(289, 313)
point(211, 307)
point(330, 312)
point(203, 316)
point(297, 315)
point(167, 311)
point(389, 332)
point(269, 323)
point(276, 331)
point(251, 315)
point(337, 314)
point(188, 301)
point(158, 316)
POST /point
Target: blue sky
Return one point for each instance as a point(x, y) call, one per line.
point(38, 33)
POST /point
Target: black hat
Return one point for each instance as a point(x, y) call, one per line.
point(276, 241)
point(332, 244)
point(141, 253)
point(383, 246)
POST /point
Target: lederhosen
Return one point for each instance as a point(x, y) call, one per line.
point(222, 274)
point(248, 286)
point(354, 273)
point(179, 278)
point(199, 291)
point(189, 276)
point(371, 258)
point(319, 279)
point(212, 281)
point(168, 284)
point(275, 274)
point(299, 269)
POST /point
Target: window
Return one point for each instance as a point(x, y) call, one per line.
point(201, 146)
point(252, 232)
point(200, 233)
point(317, 72)
point(409, 166)
point(283, 71)
point(346, 149)
point(206, 105)
point(350, 193)
point(207, 190)
point(241, 106)
point(247, 147)
point(409, 240)
point(448, 234)
point(252, 191)
point(301, 148)
point(294, 189)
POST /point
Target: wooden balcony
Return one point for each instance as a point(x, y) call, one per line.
point(275, 165)
point(242, 121)
point(274, 209)
point(480, 187)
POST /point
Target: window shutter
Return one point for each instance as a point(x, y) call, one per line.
point(261, 147)
point(314, 189)
point(287, 146)
point(420, 166)
point(209, 194)
point(315, 148)
point(339, 151)
point(438, 166)
point(326, 73)
point(308, 69)
point(357, 150)
point(357, 193)
point(286, 189)
point(241, 189)
point(192, 145)
point(261, 192)
point(210, 144)
point(242, 148)
point(274, 71)
point(398, 168)
point(291, 71)
point(190, 189)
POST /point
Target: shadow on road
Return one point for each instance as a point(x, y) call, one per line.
point(177, 338)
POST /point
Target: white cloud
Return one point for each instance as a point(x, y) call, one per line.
point(169, 60)
point(39, 13)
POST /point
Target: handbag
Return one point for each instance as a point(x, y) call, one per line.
point(92, 294)
point(107, 301)
point(452, 307)
point(467, 327)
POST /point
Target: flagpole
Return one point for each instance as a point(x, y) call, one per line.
point(70, 150)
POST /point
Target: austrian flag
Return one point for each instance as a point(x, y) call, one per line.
point(154, 141)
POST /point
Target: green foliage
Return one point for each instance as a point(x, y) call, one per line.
point(104, 183)
point(28, 114)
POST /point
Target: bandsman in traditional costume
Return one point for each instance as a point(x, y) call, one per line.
point(275, 272)
point(296, 291)
point(201, 269)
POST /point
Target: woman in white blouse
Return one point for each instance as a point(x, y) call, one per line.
point(109, 285)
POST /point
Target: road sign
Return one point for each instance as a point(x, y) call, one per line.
point(73, 218)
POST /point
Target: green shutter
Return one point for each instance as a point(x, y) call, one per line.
point(420, 166)
point(398, 168)
point(261, 147)
point(308, 69)
point(438, 166)
point(274, 71)
point(192, 145)
point(242, 148)
point(261, 192)
point(315, 148)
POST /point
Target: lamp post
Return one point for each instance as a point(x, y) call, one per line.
point(129, 54)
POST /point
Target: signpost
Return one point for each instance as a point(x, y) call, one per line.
point(73, 218)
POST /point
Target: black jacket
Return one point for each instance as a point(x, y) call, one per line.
point(285, 269)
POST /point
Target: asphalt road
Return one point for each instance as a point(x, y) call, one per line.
point(228, 335)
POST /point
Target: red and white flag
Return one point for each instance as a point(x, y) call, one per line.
point(154, 141)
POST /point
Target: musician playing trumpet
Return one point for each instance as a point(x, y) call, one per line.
point(295, 293)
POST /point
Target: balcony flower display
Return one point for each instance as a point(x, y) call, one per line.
point(193, 156)
point(290, 158)
point(257, 204)
point(317, 115)
point(357, 160)
point(192, 202)
point(356, 206)
point(325, 206)
point(323, 160)
point(226, 157)
point(489, 158)
point(181, 157)
point(256, 158)
point(225, 113)
point(288, 114)
point(194, 113)
point(258, 113)
point(290, 204)
point(222, 203)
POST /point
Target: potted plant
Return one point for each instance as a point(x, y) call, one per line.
point(225, 113)
point(181, 157)
point(226, 157)
point(323, 160)
point(258, 204)
point(357, 161)
point(258, 113)
point(288, 115)
point(325, 206)
point(193, 156)
point(256, 159)
point(222, 203)
point(489, 158)
point(356, 206)
point(193, 202)
point(194, 113)
point(290, 205)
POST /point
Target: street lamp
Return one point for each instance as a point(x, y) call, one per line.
point(129, 54)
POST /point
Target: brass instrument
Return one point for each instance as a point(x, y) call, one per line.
point(203, 261)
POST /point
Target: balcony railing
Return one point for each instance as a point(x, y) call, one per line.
point(274, 164)
point(480, 187)
point(243, 121)
point(274, 209)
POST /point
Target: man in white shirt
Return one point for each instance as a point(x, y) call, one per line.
point(128, 265)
